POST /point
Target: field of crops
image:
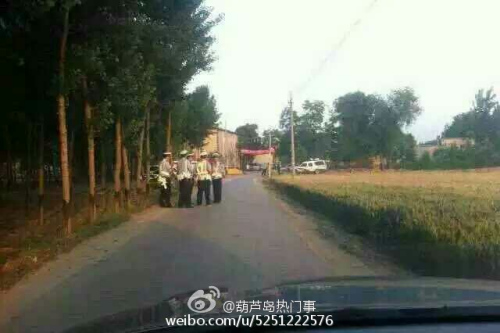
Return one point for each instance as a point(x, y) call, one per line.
point(439, 223)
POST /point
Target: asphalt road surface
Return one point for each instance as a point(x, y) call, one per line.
point(251, 240)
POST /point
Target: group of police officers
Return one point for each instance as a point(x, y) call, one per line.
point(205, 173)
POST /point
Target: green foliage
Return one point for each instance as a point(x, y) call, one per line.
point(481, 123)
point(248, 136)
point(135, 55)
point(463, 126)
point(311, 119)
point(363, 126)
point(448, 158)
point(195, 116)
point(311, 137)
point(405, 151)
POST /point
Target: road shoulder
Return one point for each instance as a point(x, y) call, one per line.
point(334, 245)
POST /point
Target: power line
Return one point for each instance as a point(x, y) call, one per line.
point(336, 47)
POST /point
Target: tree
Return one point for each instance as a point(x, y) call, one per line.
point(332, 137)
point(405, 150)
point(481, 123)
point(111, 65)
point(285, 119)
point(61, 111)
point(405, 105)
point(196, 115)
point(312, 118)
point(312, 139)
point(248, 136)
point(369, 125)
point(276, 137)
point(462, 126)
point(354, 113)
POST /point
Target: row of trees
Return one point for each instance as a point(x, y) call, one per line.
point(356, 128)
point(481, 124)
point(100, 81)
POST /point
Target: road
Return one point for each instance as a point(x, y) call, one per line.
point(252, 240)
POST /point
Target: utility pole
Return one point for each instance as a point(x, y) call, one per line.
point(270, 156)
point(292, 135)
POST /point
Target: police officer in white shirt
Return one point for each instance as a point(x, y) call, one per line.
point(184, 175)
point(192, 164)
point(165, 180)
point(203, 176)
point(218, 171)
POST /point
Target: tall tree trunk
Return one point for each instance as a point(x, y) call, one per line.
point(104, 192)
point(63, 131)
point(148, 148)
point(90, 148)
point(118, 163)
point(126, 174)
point(27, 177)
point(168, 146)
point(41, 171)
point(103, 164)
point(71, 155)
point(9, 157)
point(139, 157)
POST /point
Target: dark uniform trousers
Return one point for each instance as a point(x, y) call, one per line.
point(217, 183)
point(191, 186)
point(165, 194)
point(184, 193)
point(203, 189)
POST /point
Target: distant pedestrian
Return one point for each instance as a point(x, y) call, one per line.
point(203, 172)
point(218, 172)
point(184, 175)
point(165, 180)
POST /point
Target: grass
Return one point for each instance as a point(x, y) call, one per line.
point(439, 223)
point(36, 250)
point(37, 245)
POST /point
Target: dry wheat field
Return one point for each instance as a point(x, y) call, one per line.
point(444, 223)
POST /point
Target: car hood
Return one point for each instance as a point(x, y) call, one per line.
point(328, 295)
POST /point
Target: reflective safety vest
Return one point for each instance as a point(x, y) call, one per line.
point(202, 170)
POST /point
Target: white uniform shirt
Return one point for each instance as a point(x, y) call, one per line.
point(165, 168)
point(218, 170)
point(185, 169)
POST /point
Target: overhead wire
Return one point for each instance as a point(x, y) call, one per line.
point(335, 48)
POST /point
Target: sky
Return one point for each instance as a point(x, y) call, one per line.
point(446, 50)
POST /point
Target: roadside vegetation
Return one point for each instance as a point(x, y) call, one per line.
point(93, 92)
point(27, 247)
point(439, 223)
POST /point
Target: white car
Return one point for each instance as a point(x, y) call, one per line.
point(313, 166)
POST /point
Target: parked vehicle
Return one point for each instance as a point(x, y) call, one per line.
point(288, 168)
point(313, 166)
point(254, 167)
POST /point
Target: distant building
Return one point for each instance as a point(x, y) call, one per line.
point(457, 142)
point(431, 146)
point(421, 149)
point(225, 143)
